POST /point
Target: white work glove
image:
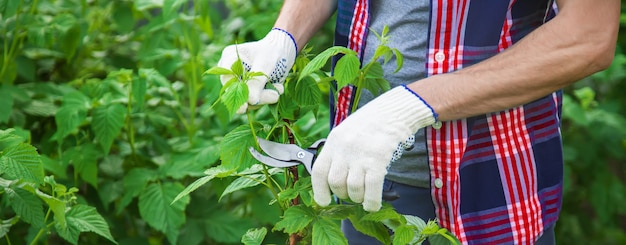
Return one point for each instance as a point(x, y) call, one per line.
point(273, 55)
point(357, 153)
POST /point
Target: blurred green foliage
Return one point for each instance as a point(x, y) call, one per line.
point(111, 95)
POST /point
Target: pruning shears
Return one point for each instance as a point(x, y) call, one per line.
point(289, 155)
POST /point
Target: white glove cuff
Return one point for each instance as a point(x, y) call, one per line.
point(406, 106)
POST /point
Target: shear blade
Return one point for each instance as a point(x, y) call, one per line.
point(285, 152)
point(269, 161)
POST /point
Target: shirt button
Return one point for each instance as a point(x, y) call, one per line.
point(437, 125)
point(438, 183)
point(440, 56)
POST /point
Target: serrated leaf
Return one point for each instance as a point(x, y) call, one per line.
point(234, 148)
point(5, 226)
point(219, 71)
point(375, 70)
point(135, 182)
point(8, 138)
point(22, 162)
point(235, 96)
point(84, 159)
point(346, 70)
point(403, 235)
point(295, 219)
point(224, 227)
point(337, 212)
point(418, 222)
point(254, 236)
point(87, 219)
point(27, 206)
point(68, 119)
point(307, 93)
point(386, 213)
point(326, 231)
point(320, 60)
point(371, 228)
point(68, 232)
point(155, 209)
point(107, 124)
point(243, 183)
point(210, 174)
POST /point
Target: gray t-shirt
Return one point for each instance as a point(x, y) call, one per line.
point(408, 30)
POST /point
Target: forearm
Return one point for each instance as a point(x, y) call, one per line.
point(303, 18)
point(564, 50)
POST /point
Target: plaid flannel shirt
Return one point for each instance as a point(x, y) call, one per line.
point(499, 176)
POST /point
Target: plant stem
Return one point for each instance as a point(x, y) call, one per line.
point(268, 178)
point(129, 124)
point(41, 231)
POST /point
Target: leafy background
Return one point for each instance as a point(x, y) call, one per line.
point(104, 105)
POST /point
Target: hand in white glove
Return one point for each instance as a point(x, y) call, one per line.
point(273, 55)
point(355, 157)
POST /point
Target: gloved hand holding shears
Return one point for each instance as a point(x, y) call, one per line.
point(273, 55)
point(354, 160)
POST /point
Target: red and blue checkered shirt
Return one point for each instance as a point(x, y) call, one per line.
point(502, 172)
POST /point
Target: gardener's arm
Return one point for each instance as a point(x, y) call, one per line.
point(302, 18)
point(579, 41)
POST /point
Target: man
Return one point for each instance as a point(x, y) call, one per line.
point(482, 97)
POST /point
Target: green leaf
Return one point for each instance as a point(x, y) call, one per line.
point(418, 222)
point(307, 93)
point(386, 213)
point(403, 235)
point(6, 104)
point(234, 148)
point(135, 182)
point(139, 88)
point(27, 206)
point(22, 162)
point(87, 219)
point(375, 70)
point(68, 119)
point(235, 96)
point(224, 227)
point(382, 51)
point(371, 228)
point(347, 69)
point(68, 232)
point(399, 60)
point(107, 124)
point(254, 236)
point(219, 71)
point(237, 67)
point(155, 209)
point(9, 138)
point(295, 219)
point(337, 212)
point(326, 231)
point(243, 183)
point(5, 226)
point(171, 6)
point(58, 209)
point(71, 114)
point(142, 5)
point(210, 174)
point(84, 159)
point(320, 60)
